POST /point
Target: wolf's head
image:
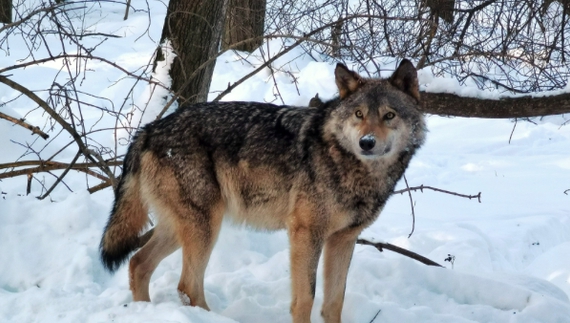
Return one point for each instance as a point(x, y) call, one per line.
point(378, 118)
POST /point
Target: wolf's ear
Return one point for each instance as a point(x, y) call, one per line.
point(346, 80)
point(405, 78)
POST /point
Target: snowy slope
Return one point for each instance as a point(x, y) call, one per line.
point(511, 250)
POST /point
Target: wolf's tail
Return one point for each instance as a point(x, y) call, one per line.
point(129, 215)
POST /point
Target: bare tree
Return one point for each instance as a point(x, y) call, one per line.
point(244, 25)
point(193, 29)
point(5, 11)
point(73, 49)
point(515, 46)
point(441, 9)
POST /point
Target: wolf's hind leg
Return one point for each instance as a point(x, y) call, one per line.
point(337, 255)
point(162, 243)
point(197, 237)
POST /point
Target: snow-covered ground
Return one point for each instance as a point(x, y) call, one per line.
point(511, 251)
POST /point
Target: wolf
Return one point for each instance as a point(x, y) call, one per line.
point(322, 173)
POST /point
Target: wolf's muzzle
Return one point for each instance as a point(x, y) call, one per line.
point(367, 142)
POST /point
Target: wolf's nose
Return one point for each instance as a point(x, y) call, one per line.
point(367, 142)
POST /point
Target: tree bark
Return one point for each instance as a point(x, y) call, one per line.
point(442, 9)
point(6, 11)
point(521, 107)
point(194, 29)
point(245, 20)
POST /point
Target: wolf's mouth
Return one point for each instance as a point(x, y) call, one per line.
point(377, 152)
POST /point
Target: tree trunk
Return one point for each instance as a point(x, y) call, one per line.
point(194, 29)
point(245, 20)
point(442, 9)
point(6, 11)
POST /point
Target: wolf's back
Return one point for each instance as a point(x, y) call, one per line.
point(129, 215)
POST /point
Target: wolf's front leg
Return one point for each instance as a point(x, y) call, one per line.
point(338, 253)
point(306, 248)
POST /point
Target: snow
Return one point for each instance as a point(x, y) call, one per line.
point(510, 251)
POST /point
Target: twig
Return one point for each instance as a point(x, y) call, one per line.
point(80, 56)
point(272, 70)
point(412, 206)
point(60, 178)
point(261, 67)
point(50, 163)
point(42, 183)
point(20, 122)
point(99, 187)
point(434, 22)
point(513, 131)
point(37, 11)
point(422, 187)
point(382, 245)
point(566, 191)
point(29, 184)
point(127, 10)
point(375, 316)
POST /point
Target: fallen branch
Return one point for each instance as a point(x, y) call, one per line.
point(381, 246)
point(20, 122)
point(447, 104)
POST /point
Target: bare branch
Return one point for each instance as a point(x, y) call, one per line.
point(127, 10)
point(20, 122)
point(45, 166)
point(422, 187)
point(81, 56)
point(60, 177)
point(104, 167)
point(31, 14)
point(99, 187)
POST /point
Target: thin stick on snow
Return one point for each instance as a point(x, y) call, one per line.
point(382, 245)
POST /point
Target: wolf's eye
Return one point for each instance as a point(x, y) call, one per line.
point(389, 116)
point(359, 114)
